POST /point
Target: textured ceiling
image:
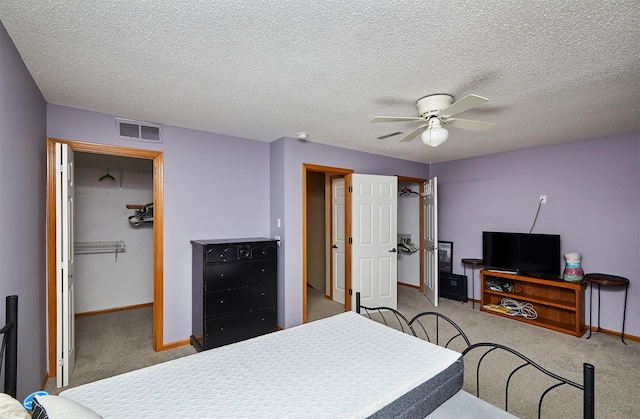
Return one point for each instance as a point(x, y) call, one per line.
point(554, 71)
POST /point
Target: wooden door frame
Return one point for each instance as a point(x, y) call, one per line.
point(158, 236)
point(307, 167)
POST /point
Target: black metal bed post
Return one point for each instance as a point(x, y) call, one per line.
point(11, 362)
point(589, 391)
point(358, 302)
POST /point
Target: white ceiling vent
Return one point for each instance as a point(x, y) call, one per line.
point(127, 129)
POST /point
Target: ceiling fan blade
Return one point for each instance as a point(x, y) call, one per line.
point(479, 126)
point(464, 104)
point(382, 137)
point(413, 134)
point(395, 118)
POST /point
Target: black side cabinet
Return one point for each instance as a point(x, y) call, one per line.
point(234, 290)
point(453, 286)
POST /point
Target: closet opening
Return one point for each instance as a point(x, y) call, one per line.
point(107, 178)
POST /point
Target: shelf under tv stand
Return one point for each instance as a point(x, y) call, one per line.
point(559, 304)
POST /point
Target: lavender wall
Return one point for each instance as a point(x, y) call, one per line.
point(593, 195)
point(22, 211)
point(293, 153)
point(277, 210)
point(215, 186)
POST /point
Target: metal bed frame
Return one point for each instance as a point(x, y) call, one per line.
point(9, 346)
point(588, 388)
point(417, 328)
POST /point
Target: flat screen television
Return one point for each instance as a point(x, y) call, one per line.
point(536, 255)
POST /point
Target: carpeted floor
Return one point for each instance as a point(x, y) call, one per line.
point(319, 307)
point(114, 343)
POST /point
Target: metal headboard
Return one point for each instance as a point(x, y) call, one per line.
point(9, 347)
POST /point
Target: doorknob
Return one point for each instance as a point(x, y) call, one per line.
point(393, 250)
point(334, 246)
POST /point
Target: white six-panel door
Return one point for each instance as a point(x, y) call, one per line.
point(65, 354)
point(430, 240)
point(338, 246)
point(374, 257)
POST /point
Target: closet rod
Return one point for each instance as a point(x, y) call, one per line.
point(99, 247)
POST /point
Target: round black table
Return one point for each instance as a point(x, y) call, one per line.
point(607, 280)
point(473, 263)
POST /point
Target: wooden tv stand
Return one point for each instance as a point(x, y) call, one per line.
point(559, 304)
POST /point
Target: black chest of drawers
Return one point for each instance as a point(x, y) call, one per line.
point(234, 290)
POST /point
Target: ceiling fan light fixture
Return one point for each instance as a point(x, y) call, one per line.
point(435, 134)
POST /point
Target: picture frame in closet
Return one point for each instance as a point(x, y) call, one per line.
point(445, 256)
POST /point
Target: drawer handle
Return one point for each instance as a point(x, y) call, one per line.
point(262, 294)
point(221, 301)
point(221, 275)
point(263, 269)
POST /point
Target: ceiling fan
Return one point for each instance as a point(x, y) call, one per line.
point(437, 111)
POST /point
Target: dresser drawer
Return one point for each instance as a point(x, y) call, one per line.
point(229, 329)
point(221, 253)
point(240, 251)
point(264, 250)
point(222, 276)
point(223, 303)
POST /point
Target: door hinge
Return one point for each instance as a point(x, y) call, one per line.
point(350, 189)
point(61, 362)
point(350, 240)
point(350, 291)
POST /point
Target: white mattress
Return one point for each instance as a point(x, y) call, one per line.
point(342, 366)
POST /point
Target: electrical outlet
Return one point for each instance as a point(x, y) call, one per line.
point(543, 199)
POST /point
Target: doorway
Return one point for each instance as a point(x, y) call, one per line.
point(316, 185)
point(311, 172)
point(157, 159)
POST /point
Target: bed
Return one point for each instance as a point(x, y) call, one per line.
point(342, 366)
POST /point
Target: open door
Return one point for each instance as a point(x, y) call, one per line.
point(373, 207)
point(430, 240)
point(65, 339)
point(337, 236)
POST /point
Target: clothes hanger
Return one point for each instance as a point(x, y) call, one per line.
point(106, 176)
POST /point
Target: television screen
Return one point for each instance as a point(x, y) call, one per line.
point(521, 253)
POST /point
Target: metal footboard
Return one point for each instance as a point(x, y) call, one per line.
point(9, 347)
point(588, 388)
point(421, 328)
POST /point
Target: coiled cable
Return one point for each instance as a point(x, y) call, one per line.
point(516, 308)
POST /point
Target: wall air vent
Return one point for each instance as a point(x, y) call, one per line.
point(127, 129)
